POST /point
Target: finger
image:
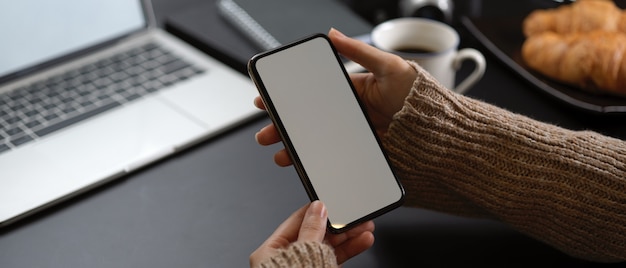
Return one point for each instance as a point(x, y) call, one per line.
point(314, 223)
point(282, 158)
point(354, 246)
point(268, 135)
point(258, 102)
point(369, 57)
point(287, 232)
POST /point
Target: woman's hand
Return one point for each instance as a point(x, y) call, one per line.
point(308, 224)
point(382, 90)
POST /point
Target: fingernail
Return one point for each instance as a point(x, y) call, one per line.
point(337, 32)
point(319, 207)
point(256, 137)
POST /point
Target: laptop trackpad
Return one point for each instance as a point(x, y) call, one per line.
point(228, 99)
point(95, 149)
point(128, 135)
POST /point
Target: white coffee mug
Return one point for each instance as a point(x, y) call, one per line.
point(433, 45)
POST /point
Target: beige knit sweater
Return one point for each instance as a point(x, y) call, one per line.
point(303, 254)
point(461, 156)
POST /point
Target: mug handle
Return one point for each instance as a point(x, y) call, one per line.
point(479, 69)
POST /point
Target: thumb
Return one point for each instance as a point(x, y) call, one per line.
point(313, 226)
point(371, 58)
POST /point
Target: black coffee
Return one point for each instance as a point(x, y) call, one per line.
point(416, 50)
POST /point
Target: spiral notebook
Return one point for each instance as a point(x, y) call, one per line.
point(271, 23)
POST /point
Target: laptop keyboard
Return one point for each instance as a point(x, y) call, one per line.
point(46, 106)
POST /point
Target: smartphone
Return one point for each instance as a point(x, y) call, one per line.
point(325, 129)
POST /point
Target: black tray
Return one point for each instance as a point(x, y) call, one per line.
point(503, 37)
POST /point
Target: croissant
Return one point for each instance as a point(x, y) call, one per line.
point(593, 60)
point(581, 16)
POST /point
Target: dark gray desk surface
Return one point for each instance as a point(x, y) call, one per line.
point(212, 205)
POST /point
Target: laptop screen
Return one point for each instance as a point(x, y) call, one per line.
point(35, 31)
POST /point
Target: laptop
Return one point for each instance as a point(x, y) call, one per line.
point(93, 90)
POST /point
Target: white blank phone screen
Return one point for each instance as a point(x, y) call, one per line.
point(328, 130)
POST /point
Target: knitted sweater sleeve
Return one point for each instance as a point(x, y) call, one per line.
point(303, 254)
point(461, 156)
